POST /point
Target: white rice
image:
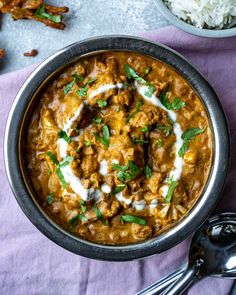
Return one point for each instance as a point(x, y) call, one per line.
point(204, 13)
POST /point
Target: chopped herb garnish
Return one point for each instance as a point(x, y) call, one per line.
point(177, 103)
point(90, 81)
point(97, 120)
point(144, 129)
point(139, 141)
point(99, 215)
point(69, 86)
point(50, 199)
point(101, 103)
point(60, 199)
point(61, 177)
point(53, 157)
point(78, 77)
point(124, 175)
point(66, 161)
point(74, 220)
point(41, 13)
point(173, 185)
point(147, 70)
point(63, 134)
point(88, 143)
point(188, 135)
point(82, 92)
point(165, 128)
point(49, 171)
point(159, 142)
point(131, 74)
point(133, 219)
point(118, 189)
point(105, 139)
point(147, 171)
point(150, 91)
point(138, 109)
point(83, 206)
point(115, 166)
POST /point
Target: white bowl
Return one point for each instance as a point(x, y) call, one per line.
point(210, 33)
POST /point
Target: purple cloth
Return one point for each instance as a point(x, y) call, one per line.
point(32, 264)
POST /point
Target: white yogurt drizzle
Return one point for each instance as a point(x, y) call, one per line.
point(104, 88)
point(178, 162)
point(70, 177)
point(87, 194)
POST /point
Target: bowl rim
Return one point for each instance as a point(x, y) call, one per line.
point(197, 214)
point(171, 17)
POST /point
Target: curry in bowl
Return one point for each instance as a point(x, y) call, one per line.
point(118, 148)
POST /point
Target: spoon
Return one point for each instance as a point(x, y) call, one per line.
point(212, 253)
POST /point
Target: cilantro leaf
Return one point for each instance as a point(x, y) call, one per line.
point(105, 139)
point(53, 157)
point(139, 141)
point(82, 92)
point(101, 103)
point(173, 185)
point(63, 134)
point(131, 74)
point(99, 215)
point(118, 189)
point(177, 103)
point(50, 199)
point(147, 171)
point(150, 91)
point(165, 128)
point(97, 120)
point(133, 219)
point(41, 13)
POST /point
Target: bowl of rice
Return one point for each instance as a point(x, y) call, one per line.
point(207, 18)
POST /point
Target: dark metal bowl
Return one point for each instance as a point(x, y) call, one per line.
point(17, 123)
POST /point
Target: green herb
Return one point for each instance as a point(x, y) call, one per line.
point(138, 109)
point(101, 103)
point(118, 189)
point(131, 74)
point(115, 166)
point(159, 142)
point(49, 171)
point(90, 81)
point(78, 150)
point(188, 135)
point(173, 185)
point(53, 157)
point(144, 129)
point(133, 219)
point(147, 70)
point(63, 134)
point(165, 128)
point(50, 199)
point(83, 206)
point(61, 177)
point(74, 220)
point(105, 139)
point(97, 120)
point(66, 161)
point(124, 175)
point(78, 77)
point(82, 92)
point(88, 143)
point(177, 103)
point(60, 199)
point(150, 91)
point(41, 13)
point(139, 141)
point(147, 171)
point(99, 215)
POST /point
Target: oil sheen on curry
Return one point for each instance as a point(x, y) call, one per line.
point(118, 148)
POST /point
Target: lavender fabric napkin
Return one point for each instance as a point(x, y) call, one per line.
point(32, 264)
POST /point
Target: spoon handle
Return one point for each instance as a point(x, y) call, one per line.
point(159, 286)
point(185, 281)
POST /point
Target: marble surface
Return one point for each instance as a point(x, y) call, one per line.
point(86, 18)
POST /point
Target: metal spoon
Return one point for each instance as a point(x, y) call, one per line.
point(212, 253)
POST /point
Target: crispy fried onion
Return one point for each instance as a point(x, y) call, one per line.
point(35, 10)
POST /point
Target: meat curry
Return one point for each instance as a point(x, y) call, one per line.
point(118, 148)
